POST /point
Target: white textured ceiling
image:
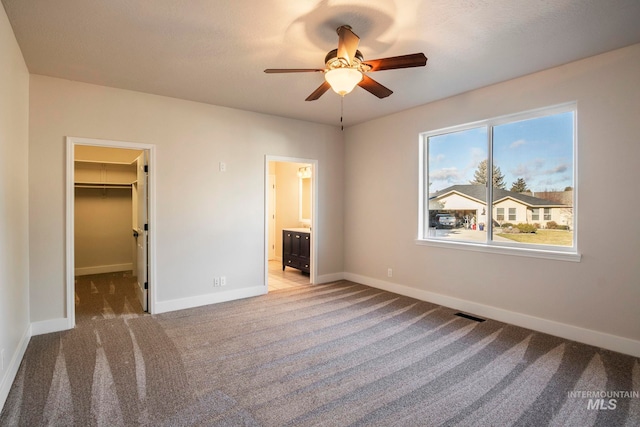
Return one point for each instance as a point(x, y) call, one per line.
point(215, 51)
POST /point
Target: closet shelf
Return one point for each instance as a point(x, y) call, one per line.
point(103, 185)
point(104, 162)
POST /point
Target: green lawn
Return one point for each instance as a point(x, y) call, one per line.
point(542, 237)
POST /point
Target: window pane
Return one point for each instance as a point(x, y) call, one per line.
point(456, 206)
point(535, 214)
point(534, 162)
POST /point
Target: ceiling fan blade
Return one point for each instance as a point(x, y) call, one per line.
point(293, 70)
point(373, 87)
point(347, 43)
point(319, 92)
point(403, 61)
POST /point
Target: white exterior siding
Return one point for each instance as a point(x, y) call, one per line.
point(455, 201)
point(521, 211)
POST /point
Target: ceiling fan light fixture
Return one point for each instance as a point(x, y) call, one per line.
point(345, 68)
point(343, 80)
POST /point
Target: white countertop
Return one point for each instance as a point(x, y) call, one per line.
point(298, 230)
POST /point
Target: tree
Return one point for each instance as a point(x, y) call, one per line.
point(519, 186)
point(480, 176)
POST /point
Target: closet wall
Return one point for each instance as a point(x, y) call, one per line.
point(103, 217)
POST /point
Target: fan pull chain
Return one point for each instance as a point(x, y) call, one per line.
point(341, 112)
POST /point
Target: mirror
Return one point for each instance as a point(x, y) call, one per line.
point(305, 195)
point(305, 200)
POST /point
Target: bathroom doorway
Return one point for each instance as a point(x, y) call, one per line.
point(290, 213)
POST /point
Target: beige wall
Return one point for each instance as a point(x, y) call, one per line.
point(208, 223)
point(600, 293)
point(14, 227)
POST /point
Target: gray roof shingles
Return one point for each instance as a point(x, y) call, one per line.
point(479, 192)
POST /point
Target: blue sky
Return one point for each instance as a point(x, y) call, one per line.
point(540, 150)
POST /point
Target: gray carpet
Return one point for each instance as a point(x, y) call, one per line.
point(106, 296)
point(336, 355)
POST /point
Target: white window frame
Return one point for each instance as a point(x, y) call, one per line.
point(512, 213)
point(490, 246)
point(535, 214)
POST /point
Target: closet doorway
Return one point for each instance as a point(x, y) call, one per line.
point(109, 240)
point(290, 222)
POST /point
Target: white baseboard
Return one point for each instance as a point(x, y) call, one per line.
point(328, 278)
point(12, 368)
point(562, 330)
point(214, 298)
point(48, 326)
point(101, 269)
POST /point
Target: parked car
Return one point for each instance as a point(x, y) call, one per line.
point(446, 220)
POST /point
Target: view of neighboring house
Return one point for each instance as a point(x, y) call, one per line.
point(469, 204)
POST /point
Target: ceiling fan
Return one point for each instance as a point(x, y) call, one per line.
point(345, 67)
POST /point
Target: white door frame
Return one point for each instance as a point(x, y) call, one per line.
point(315, 232)
point(141, 226)
point(70, 215)
point(271, 213)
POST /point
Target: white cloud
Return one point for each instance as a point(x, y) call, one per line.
point(445, 174)
point(439, 158)
point(518, 143)
point(528, 170)
point(477, 155)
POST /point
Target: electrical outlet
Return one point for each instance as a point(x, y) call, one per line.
point(223, 281)
point(216, 281)
point(389, 272)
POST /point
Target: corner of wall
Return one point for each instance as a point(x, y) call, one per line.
point(14, 364)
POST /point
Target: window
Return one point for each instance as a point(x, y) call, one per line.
point(535, 214)
point(528, 158)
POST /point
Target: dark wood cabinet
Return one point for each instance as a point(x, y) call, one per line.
point(296, 250)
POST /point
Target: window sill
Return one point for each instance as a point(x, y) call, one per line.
point(503, 250)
